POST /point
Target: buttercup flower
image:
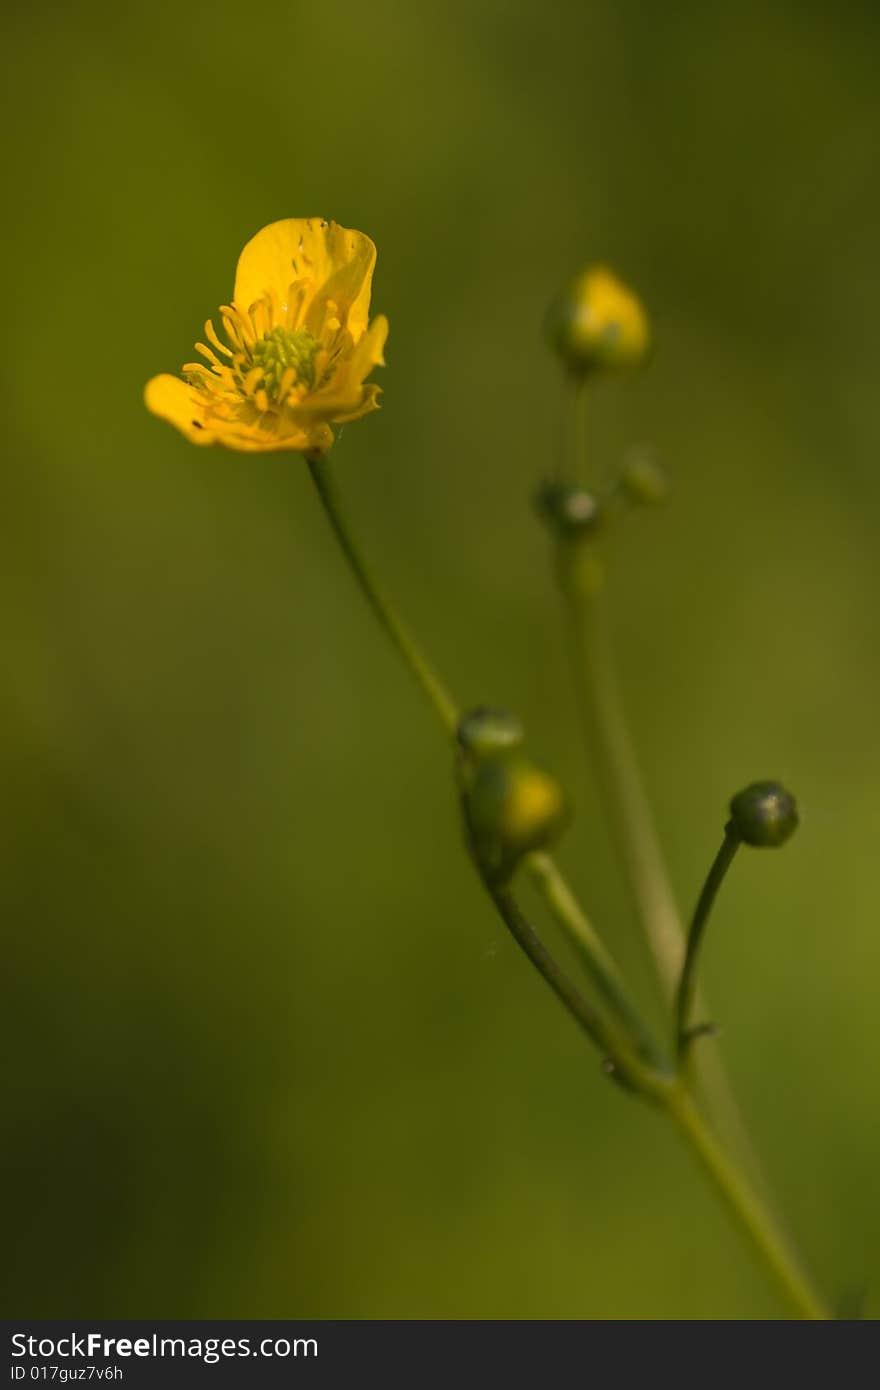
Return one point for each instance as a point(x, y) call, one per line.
point(298, 348)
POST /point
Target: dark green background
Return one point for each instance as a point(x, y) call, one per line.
point(270, 1053)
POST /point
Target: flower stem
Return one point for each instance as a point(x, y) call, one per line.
point(643, 1079)
point(688, 982)
point(438, 697)
point(616, 766)
point(546, 875)
point(741, 1200)
point(745, 1205)
point(601, 966)
point(646, 1079)
point(580, 580)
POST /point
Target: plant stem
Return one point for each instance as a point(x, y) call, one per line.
point(439, 699)
point(542, 869)
point(598, 961)
point(745, 1205)
point(580, 581)
point(649, 1083)
point(545, 873)
point(616, 766)
point(688, 982)
point(644, 1078)
point(738, 1196)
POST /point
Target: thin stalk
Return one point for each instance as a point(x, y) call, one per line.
point(746, 1207)
point(741, 1200)
point(438, 697)
point(754, 1219)
point(688, 983)
point(633, 831)
point(649, 1083)
point(598, 961)
point(579, 579)
point(617, 769)
point(547, 876)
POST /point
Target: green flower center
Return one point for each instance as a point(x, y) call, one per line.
point(281, 349)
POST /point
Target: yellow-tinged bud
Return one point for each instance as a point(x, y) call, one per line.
point(513, 807)
point(597, 324)
point(644, 479)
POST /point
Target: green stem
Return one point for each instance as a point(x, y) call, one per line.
point(742, 1202)
point(740, 1199)
point(545, 873)
point(653, 1085)
point(746, 1206)
point(580, 581)
point(688, 982)
point(438, 697)
point(629, 813)
point(598, 961)
point(615, 761)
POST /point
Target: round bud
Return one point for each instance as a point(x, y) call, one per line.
point(597, 324)
point(486, 733)
point(764, 815)
point(513, 807)
point(643, 479)
point(571, 510)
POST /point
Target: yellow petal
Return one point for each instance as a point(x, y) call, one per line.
point(369, 350)
point(313, 250)
point(173, 400)
point(302, 439)
point(367, 402)
point(345, 398)
point(349, 288)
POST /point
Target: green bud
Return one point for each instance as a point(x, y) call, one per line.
point(513, 807)
point(643, 479)
point(485, 733)
point(597, 324)
point(570, 510)
point(764, 815)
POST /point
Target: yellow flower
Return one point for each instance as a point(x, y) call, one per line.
point(298, 347)
point(597, 324)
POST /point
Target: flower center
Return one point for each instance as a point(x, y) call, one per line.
point(282, 351)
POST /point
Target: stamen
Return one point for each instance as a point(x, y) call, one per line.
point(208, 355)
point(213, 336)
point(243, 330)
point(287, 380)
point(231, 329)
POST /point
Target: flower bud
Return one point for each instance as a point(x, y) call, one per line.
point(596, 324)
point(764, 815)
point(513, 807)
point(573, 511)
point(485, 733)
point(643, 479)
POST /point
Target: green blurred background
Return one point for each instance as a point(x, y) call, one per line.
point(269, 1052)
